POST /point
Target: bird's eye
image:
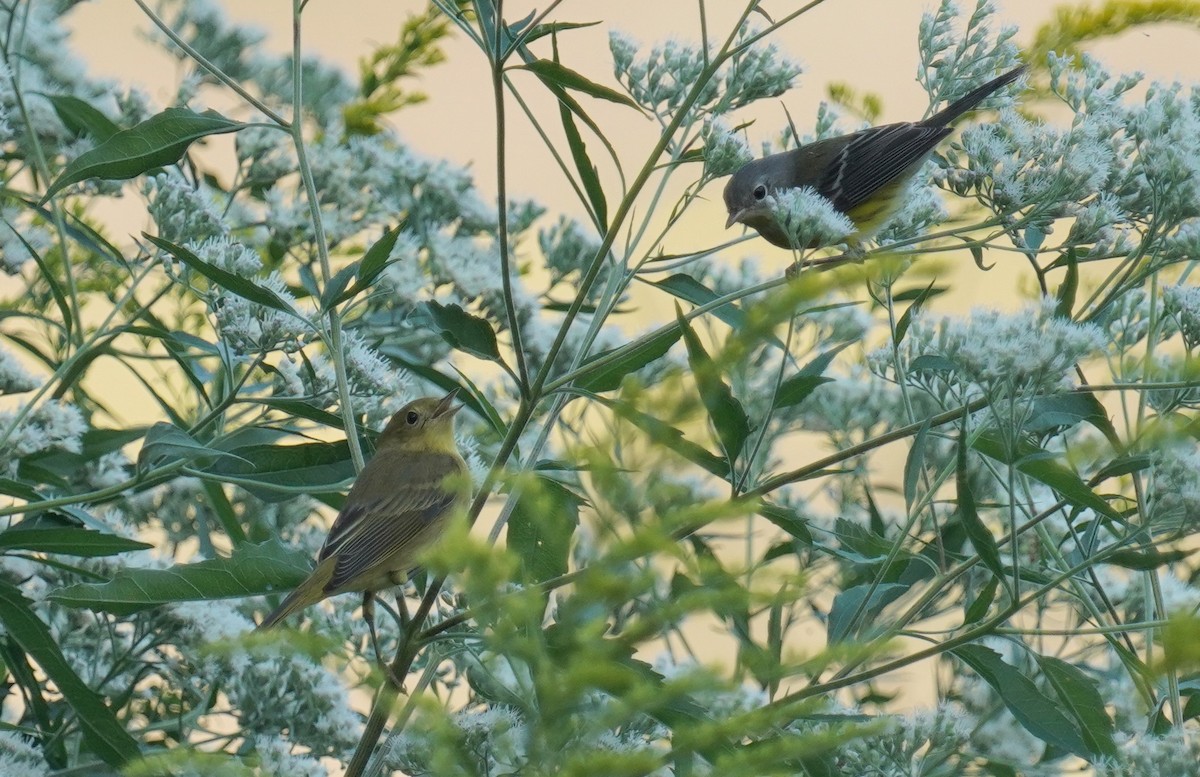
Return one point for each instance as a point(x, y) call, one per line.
point(412, 418)
point(760, 192)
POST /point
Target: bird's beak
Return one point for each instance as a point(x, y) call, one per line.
point(734, 218)
point(446, 406)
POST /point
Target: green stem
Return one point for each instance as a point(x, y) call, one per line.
point(336, 341)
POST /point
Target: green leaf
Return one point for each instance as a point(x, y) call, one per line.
point(69, 541)
point(907, 316)
point(852, 608)
point(541, 527)
point(335, 291)
point(160, 140)
point(979, 607)
point(979, 534)
point(796, 389)
point(1065, 410)
point(914, 465)
point(1143, 560)
point(166, 443)
point(464, 331)
point(251, 570)
point(365, 271)
point(1077, 695)
point(788, 520)
point(275, 472)
point(234, 284)
point(557, 74)
point(542, 30)
point(104, 734)
point(1070, 285)
point(1041, 465)
point(724, 410)
point(668, 436)
point(80, 118)
point(691, 290)
point(1034, 710)
point(589, 176)
point(628, 358)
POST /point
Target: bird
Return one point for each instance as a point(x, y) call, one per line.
point(863, 174)
point(399, 504)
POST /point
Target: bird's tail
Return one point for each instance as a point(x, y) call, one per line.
point(971, 99)
point(309, 592)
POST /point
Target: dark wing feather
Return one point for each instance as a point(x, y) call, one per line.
point(370, 533)
point(378, 545)
point(875, 158)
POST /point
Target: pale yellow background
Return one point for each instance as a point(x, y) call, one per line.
point(869, 44)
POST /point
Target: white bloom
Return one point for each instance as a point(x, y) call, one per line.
point(808, 218)
point(13, 376)
point(18, 758)
point(1031, 350)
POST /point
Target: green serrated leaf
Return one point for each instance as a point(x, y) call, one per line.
point(914, 465)
point(80, 117)
point(464, 331)
point(103, 733)
point(251, 570)
point(274, 472)
point(624, 360)
point(1036, 711)
point(1042, 466)
point(560, 75)
point(165, 442)
point(589, 175)
point(234, 284)
point(796, 389)
point(982, 603)
point(541, 527)
point(858, 605)
point(691, 290)
point(724, 410)
point(68, 541)
point(669, 437)
point(907, 316)
point(1078, 697)
point(978, 532)
point(160, 140)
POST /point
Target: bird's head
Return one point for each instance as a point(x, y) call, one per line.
point(425, 424)
point(746, 195)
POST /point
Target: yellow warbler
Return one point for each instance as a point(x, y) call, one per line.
point(864, 174)
point(398, 505)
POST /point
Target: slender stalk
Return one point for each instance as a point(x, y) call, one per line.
point(335, 339)
point(496, 60)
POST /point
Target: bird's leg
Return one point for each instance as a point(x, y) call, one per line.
point(368, 608)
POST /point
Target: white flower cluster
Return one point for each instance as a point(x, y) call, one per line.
point(274, 690)
point(1001, 354)
point(662, 80)
point(53, 425)
point(1182, 302)
point(250, 328)
point(19, 758)
point(724, 151)
point(21, 237)
point(1176, 753)
point(183, 213)
point(1175, 487)
point(808, 218)
point(1014, 163)
point(14, 379)
point(953, 62)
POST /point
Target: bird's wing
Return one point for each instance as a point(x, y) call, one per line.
point(371, 531)
point(875, 158)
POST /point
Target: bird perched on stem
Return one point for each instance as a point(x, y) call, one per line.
point(398, 505)
point(864, 174)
